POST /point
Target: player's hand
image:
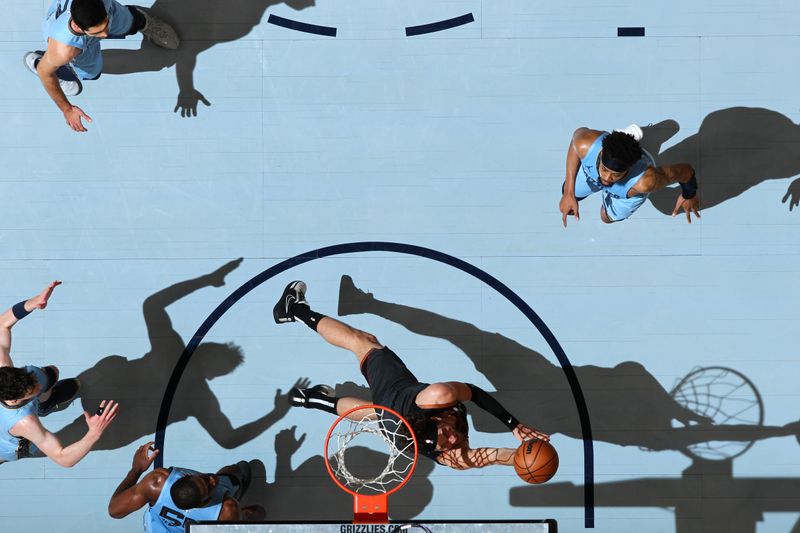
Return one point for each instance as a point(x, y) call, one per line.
point(569, 206)
point(73, 116)
point(286, 443)
point(282, 400)
point(523, 433)
point(40, 301)
point(144, 456)
point(105, 414)
point(692, 205)
point(187, 102)
point(792, 194)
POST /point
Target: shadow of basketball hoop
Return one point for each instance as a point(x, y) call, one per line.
point(726, 397)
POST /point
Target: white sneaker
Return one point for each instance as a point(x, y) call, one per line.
point(70, 88)
point(634, 131)
point(158, 31)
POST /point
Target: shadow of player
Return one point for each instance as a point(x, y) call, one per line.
point(308, 493)
point(138, 384)
point(627, 406)
point(734, 149)
point(706, 498)
point(201, 24)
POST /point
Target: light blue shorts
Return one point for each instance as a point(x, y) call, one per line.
point(616, 208)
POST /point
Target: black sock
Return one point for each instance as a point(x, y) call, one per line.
point(139, 21)
point(304, 314)
point(323, 402)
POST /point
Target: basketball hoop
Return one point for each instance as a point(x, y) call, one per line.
point(368, 422)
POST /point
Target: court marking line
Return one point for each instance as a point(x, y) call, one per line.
point(407, 249)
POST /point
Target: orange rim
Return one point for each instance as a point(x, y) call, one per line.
point(345, 415)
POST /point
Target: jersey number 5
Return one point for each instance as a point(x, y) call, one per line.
point(171, 516)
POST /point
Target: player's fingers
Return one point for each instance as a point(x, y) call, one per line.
point(111, 410)
point(564, 218)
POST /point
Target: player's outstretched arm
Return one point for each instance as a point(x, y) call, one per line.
point(132, 494)
point(57, 56)
point(16, 313)
point(464, 458)
point(682, 174)
point(31, 428)
point(446, 394)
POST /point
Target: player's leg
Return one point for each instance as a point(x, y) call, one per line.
point(59, 393)
point(293, 306)
point(51, 372)
point(140, 19)
point(321, 397)
point(68, 78)
point(240, 475)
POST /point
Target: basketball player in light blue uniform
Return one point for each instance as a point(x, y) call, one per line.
point(175, 496)
point(72, 30)
point(616, 164)
point(30, 392)
point(12, 447)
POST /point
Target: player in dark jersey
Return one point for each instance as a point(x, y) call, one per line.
point(435, 411)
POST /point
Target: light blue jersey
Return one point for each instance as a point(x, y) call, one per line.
point(9, 416)
point(89, 63)
point(615, 200)
point(167, 517)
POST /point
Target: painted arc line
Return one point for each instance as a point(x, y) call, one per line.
point(439, 26)
point(302, 26)
point(401, 248)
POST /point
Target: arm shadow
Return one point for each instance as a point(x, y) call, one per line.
point(735, 149)
point(139, 384)
point(200, 24)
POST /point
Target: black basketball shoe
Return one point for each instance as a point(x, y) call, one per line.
point(63, 393)
point(295, 292)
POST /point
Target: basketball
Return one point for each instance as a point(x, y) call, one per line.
point(536, 461)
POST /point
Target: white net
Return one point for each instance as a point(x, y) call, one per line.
point(370, 426)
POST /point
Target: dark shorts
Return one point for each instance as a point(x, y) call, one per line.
point(50, 372)
point(391, 382)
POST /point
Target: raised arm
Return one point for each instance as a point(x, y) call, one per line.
point(440, 395)
point(159, 324)
point(31, 428)
point(219, 426)
point(58, 55)
point(683, 174)
point(16, 313)
point(132, 494)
